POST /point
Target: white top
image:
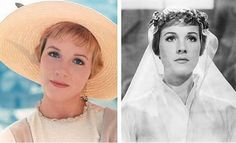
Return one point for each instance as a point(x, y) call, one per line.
point(160, 115)
point(86, 127)
point(153, 111)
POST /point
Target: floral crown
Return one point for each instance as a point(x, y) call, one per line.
point(185, 15)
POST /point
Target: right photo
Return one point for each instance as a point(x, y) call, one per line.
point(178, 71)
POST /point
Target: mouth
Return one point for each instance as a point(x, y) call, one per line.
point(182, 60)
point(59, 84)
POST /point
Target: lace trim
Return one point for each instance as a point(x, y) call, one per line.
point(69, 119)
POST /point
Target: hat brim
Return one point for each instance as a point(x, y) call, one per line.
point(20, 33)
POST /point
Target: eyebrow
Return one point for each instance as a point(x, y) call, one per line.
point(53, 47)
point(78, 55)
point(193, 33)
point(169, 33)
point(175, 33)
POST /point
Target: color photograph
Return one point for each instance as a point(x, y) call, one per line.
point(58, 80)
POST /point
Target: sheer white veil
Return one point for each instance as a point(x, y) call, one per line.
point(210, 80)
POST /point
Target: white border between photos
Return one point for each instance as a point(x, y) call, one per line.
point(119, 71)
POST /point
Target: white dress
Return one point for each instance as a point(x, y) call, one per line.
point(152, 111)
point(86, 127)
point(160, 115)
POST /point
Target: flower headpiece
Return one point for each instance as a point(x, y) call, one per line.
point(186, 15)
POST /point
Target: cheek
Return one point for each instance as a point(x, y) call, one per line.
point(46, 67)
point(80, 76)
point(167, 53)
point(80, 71)
point(194, 53)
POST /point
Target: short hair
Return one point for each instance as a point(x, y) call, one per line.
point(171, 17)
point(80, 35)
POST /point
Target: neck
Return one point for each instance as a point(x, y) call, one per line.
point(181, 85)
point(62, 109)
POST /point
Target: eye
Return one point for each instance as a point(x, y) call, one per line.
point(78, 61)
point(54, 54)
point(170, 38)
point(192, 38)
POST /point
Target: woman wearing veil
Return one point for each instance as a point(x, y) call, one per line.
point(177, 93)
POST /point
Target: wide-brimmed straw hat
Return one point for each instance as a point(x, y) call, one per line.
point(20, 33)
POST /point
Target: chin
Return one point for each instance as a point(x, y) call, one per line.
point(56, 94)
point(183, 71)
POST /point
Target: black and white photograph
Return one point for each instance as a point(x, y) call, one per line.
point(178, 71)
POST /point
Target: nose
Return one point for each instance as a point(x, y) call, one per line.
point(62, 71)
point(181, 47)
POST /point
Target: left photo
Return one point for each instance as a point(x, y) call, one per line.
point(58, 71)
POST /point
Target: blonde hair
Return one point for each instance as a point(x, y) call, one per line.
point(80, 35)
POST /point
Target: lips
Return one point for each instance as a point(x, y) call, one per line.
point(182, 60)
point(59, 84)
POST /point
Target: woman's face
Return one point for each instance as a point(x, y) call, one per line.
point(64, 69)
point(179, 49)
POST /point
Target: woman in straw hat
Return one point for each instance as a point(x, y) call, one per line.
point(177, 93)
point(67, 49)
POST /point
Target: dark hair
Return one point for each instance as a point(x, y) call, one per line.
point(161, 20)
